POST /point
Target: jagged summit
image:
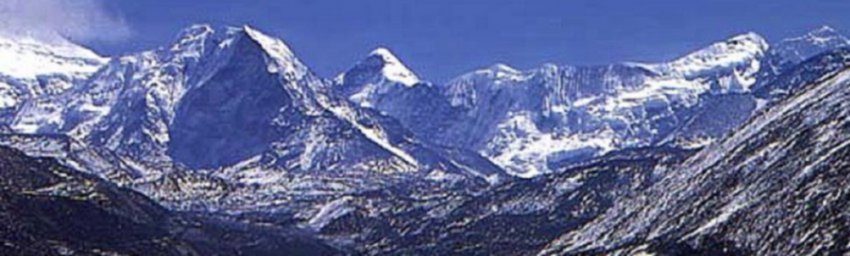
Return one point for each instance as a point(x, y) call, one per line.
point(196, 30)
point(194, 42)
point(797, 49)
point(190, 42)
point(616, 104)
point(219, 96)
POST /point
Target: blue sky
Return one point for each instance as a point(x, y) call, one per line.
point(440, 39)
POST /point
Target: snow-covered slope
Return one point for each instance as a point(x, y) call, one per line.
point(32, 72)
point(775, 187)
point(740, 54)
point(393, 69)
point(230, 120)
point(798, 49)
point(379, 75)
point(28, 58)
point(522, 120)
point(527, 120)
point(239, 103)
point(382, 82)
point(523, 216)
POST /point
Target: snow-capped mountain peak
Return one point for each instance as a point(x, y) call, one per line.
point(501, 72)
point(27, 57)
point(380, 73)
point(393, 69)
point(823, 34)
point(500, 69)
point(800, 48)
point(34, 67)
point(741, 50)
point(281, 54)
point(190, 42)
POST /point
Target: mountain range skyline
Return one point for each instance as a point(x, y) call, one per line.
point(224, 140)
point(471, 35)
point(568, 109)
point(389, 48)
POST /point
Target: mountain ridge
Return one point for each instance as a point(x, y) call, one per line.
point(638, 104)
point(228, 120)
point(748, 179)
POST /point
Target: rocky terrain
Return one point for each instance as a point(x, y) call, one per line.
point(47, 209)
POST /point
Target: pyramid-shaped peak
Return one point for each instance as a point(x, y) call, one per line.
point(393, 69)
point(388, 57)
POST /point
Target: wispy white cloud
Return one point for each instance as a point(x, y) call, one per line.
point(86, 20)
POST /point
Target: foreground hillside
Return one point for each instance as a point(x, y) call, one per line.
point(778, 186)
point(48, 209)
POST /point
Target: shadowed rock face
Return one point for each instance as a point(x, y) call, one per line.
point(229, 118)
point(47, 209)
